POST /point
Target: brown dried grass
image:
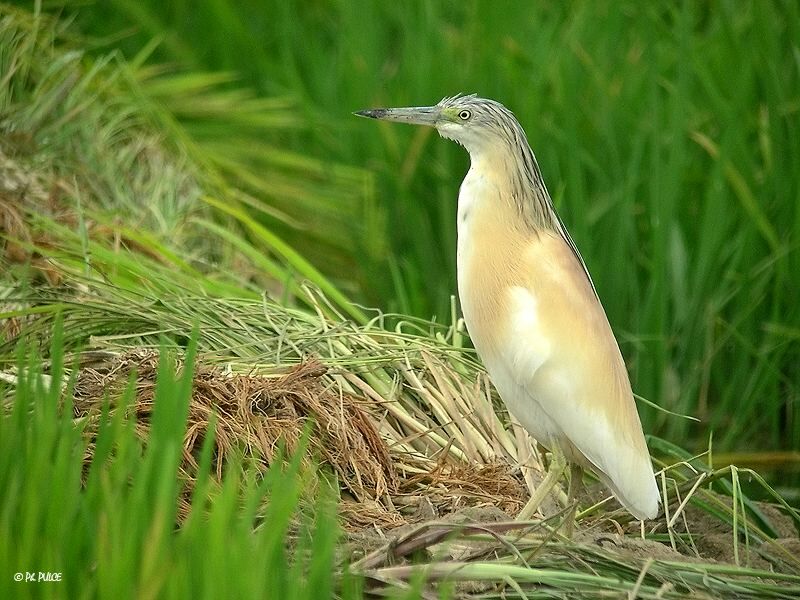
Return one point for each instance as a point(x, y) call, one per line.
point(256, 413)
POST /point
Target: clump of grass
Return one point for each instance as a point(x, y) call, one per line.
point(253, 416)
point(422, 392)
point(108, 525)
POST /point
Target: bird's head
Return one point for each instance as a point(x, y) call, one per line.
point(475, 123)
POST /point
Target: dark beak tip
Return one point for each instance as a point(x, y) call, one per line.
point(375, 113)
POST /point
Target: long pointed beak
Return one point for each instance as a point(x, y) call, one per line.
point(416, 115)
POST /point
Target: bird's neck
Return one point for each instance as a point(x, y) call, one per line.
point(515, 175)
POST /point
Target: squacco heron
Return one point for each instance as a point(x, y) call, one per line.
point(532, 310)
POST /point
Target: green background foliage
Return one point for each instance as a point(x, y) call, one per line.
point(667, 133)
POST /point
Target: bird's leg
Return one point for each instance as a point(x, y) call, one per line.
point(554, 472)
point(575, 484)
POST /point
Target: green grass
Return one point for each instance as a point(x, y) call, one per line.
point(109, 528)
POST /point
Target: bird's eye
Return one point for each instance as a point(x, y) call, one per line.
point(464, 115)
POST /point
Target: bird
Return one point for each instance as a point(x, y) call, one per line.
point(532, 310)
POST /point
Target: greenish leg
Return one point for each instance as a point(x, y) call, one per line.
point(557, 465)
point(575, 484)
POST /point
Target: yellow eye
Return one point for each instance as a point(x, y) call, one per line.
point(464, 115)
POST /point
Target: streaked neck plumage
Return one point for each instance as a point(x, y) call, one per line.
point(508, 161)
point(506, 153)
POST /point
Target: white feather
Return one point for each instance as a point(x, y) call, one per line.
point(549, 398)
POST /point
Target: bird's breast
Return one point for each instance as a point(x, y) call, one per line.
point(488, 257)
point(501, 315)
